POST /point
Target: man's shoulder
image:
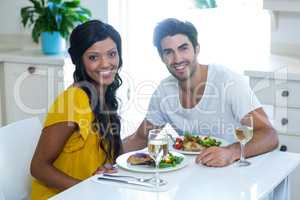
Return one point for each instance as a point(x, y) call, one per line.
point(222, 72)
point(167, 86)
point(168, 83)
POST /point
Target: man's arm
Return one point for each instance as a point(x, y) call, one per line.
point(139, 139)
point(264, 140)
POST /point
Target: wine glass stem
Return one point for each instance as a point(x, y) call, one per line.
point(242, 152)
point(156, 173)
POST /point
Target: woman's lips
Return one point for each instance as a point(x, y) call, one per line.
point(106, 73)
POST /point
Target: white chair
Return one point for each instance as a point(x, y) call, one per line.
point(17, 144)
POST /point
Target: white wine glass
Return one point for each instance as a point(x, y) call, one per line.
point(158, 149)
point(243, 135)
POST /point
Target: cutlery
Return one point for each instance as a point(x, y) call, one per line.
point(162, 182)
point(125, 181)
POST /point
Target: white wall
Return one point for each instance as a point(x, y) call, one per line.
point(99, 8)
point(285, 36)
point(10, 20)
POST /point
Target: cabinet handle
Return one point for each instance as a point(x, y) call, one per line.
point(31, 69)
point(128, 93)
point(285, 93)
point(283, 148)
point(284, 121)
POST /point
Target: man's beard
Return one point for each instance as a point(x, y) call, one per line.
point(191, 68)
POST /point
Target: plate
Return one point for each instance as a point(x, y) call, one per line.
point(223, 144)
point(122, 162)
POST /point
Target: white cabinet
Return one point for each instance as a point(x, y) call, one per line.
point(1, 94)
point(292, 144)
point(28, 87)
point(282, 5)
point(281, 89)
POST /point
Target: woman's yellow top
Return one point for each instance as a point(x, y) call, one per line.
point(81, 155)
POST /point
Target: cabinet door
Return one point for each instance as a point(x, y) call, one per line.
point(1, 93)
point(283, 93)
point(286, 120)
point(30, 90)
point(292, 145)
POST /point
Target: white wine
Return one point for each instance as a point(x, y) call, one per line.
point(244, 134)
point(156, 146)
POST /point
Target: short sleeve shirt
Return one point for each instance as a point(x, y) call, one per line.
point(227, 98)
point(81, 155)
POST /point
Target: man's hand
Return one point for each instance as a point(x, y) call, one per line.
point(216, 156)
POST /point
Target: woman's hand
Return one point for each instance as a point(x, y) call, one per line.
point(107, 168)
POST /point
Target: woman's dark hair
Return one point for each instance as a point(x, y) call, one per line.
point(107, 121)
point(171, 27)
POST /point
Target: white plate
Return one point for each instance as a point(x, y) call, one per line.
point(223, 144)
point(122, 162)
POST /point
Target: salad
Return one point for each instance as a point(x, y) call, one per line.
point(195, 142)
point(170, 161)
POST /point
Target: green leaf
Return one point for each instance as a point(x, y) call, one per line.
point(26, 13)
point(38, 6)
point(36, 32)
point(85, 11)
point(72, 4)
point(56, 1)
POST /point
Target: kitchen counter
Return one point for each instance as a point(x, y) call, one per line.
point(276, 83)
point(275, 66)
point(33, 56)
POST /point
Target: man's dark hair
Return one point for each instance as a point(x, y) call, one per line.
point(171, 27)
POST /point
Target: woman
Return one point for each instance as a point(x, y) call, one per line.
point(81, 131)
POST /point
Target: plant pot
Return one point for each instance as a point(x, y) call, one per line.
point(53, 43)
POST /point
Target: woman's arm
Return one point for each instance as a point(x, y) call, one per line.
point(50, 145)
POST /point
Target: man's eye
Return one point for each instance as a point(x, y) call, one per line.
point(167, 53)
point(184, 48)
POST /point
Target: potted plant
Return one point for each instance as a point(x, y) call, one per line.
point(205, 3)
point(53, 21)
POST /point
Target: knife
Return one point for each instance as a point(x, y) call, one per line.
point(125, 181)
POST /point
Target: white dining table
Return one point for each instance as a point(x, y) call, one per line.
point(265, 179)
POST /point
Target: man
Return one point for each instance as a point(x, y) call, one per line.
point(201, 99)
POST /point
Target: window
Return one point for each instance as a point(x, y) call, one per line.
point(236, 33)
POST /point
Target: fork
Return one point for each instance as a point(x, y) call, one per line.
point(162, 182)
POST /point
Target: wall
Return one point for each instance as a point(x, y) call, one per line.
point(285, 34)
point(10, 20)
point(99, 8)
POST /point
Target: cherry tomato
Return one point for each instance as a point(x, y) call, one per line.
point(178, 145)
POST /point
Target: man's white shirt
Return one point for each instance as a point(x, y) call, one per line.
point(227, 98)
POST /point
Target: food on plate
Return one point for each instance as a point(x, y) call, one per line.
point(140, 159)
point(195, 142)
point(170, 160)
